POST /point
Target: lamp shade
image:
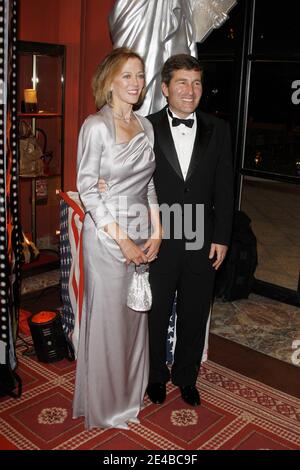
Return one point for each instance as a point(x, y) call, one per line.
point(30, 95)
point(30, 100)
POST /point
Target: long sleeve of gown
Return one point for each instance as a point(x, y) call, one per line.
point(90, 145)
point(151, 194)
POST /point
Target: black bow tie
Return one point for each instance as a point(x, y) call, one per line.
point(177, 121)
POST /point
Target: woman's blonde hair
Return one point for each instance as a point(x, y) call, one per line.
point(107, 70)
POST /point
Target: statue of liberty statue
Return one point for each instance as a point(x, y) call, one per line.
point(157, 29)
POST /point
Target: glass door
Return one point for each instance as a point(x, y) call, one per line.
point(252, 79)
point(270, 165)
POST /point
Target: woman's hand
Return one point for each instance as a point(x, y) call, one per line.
point(152, 245)
point(132, 252)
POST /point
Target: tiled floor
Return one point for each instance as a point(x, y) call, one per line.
point(265, 325)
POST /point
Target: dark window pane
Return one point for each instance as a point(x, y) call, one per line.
point(276, 27)
point(218, 88)
point(273, 128)
point(227, 38)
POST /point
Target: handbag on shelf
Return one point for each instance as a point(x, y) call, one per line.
point(30, 151)
point(139, 295)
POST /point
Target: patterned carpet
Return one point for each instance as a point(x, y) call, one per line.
point(236, 413)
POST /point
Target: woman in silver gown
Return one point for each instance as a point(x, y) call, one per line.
point(116, 144)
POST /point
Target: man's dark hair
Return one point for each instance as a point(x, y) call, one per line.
point(178, 62)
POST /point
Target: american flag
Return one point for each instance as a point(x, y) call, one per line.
point(171, 338)
point(71, 263)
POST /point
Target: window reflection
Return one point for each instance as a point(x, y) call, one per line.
point(273, 128)
point(274, 208)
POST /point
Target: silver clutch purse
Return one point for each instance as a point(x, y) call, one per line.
point(139, 295)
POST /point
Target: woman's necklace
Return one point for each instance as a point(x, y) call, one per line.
point(123, 118)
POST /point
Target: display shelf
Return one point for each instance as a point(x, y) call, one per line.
point(39, 115)
point(41, 67)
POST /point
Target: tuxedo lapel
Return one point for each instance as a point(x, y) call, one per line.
point(202, 138)
point(167, 145)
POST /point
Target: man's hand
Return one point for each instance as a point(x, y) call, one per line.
point(219, 252)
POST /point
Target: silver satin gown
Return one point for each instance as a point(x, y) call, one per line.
point(113, 363)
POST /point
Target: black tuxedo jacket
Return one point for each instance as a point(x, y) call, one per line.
point(209, 182)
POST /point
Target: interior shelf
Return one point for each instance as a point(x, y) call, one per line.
point(39, 115)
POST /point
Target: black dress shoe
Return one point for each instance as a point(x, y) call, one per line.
point(156, 391)
point(190, 395)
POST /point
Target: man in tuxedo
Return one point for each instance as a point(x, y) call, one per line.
point(193, 169)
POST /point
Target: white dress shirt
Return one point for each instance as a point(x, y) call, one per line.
point(184, 138)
